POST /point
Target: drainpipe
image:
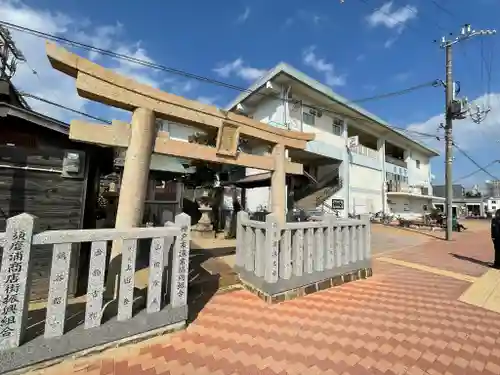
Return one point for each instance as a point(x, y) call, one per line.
point(286, 107)
point(346, 171)
point(301, 117)
point(384, 182)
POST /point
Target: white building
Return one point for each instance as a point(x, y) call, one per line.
point(386, 171)
point(492, 204)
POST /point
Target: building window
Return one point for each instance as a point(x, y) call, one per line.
point(337, 130)
point(493, 202)
point(417, 162)
point(308, 118)
point(338, 125)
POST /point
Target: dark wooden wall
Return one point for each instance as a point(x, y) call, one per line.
point(41, 190)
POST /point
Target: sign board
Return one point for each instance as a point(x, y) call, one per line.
point(338, 204)
point(353, 142)
point(228, 139)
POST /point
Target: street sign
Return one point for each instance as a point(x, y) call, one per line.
point(338, 204)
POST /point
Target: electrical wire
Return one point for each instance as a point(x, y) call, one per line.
point(166, 69)
point(443, 9)
point(47, 101)
point(396, 93)
point(27, 95)
point(477, 171)
point(474, 162)
point(171, 70)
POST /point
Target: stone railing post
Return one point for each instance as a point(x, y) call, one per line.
point(365, 242)
point(330, 242)
point(272, 249)
point(242, 217)
point(15, 280)
point(180, 262)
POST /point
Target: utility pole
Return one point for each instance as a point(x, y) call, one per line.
point(453, 110)
point(9, 54)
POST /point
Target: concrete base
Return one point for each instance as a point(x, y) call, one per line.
point(42, 350)
point(310, 288)
point(296, 282)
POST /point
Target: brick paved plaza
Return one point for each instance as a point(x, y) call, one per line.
point(406, 319)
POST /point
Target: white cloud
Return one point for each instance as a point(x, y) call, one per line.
point(244, 16)
point(389, 42)
point(392, 19)
point(361, 57)
point(302, 17)
point(369, 87)
point(288, 22)
point(102, 38)
point(210, 100)
point(50, 84)
point(402, 77)
point(467, 134)
point(239, 69)
point(320, 65)
point(310, 17)
point(140, 73)
point(58, 87)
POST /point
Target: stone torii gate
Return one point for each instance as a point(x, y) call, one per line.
point(141, 138)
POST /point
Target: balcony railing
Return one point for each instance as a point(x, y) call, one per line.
point(366, 151)
point(395, 161)
point(398, 187)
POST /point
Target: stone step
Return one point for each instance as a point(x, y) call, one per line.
point(216, 271)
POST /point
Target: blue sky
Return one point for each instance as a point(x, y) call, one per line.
point(351, 46)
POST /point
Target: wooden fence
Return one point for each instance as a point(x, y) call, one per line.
point(275, 260)
point(166, 301)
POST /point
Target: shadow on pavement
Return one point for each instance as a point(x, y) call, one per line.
point(472, 260)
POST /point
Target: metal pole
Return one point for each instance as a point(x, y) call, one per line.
point(449, 143)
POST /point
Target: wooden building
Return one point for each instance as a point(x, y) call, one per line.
point(44, 173)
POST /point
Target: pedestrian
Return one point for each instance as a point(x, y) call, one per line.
point(495, 237)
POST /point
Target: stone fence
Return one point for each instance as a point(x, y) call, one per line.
point(298, 258)
point(166, 300)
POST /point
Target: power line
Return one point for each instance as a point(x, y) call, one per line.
point(149, 64)
point(433, 83)
point(47, 101)
point(474, 162)
point(477, 171)
point(27, 95)
point(443, 9)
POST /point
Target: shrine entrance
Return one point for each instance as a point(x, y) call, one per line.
point(142, 138)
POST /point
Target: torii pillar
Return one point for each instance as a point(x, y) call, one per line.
point(133, 187)
point(278, 184)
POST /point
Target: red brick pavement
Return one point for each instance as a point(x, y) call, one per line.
point(469, 253)
point(400, 321)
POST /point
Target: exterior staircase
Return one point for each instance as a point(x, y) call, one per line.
point(315, 194)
